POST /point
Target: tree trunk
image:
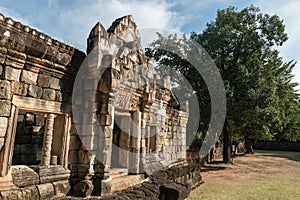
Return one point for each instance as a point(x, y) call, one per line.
point(249, 145)
point(226, 142)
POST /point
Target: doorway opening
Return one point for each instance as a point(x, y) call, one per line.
point(121, 142)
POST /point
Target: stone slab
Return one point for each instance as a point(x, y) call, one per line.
point(24, 176)
point(5, 106)
point(5, 91)
point(46, 191)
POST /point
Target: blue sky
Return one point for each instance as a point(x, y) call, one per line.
point(71, 21)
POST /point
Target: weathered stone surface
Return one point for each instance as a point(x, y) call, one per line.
point(59, 96)
point(52, 178)
point(83, 188)
point(3, 126)
point(51, 173)
point(2, 140)
point(55, 83)
point(174, 191)
point(14, 62)
point(30, 193)
point(29, 77)
point(11, 195)
point(19, 88)
point(12, 74)
point(61, 188)
point(44, 80)
point(24, 176)
point(5, 92)
point(35, 91)
point(1, 70)
point(32, 68)
point(49, 94)
point(5, 106)
point(46, 191)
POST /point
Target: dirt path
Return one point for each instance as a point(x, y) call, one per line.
point(265, 175)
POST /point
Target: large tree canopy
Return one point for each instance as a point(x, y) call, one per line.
point(261, 100)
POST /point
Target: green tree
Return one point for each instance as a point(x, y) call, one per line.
point(242, 44)
point(261, 99)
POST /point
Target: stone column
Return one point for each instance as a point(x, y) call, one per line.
point(134, 163)
point(48, 137)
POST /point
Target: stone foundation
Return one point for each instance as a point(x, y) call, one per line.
point(174, 183)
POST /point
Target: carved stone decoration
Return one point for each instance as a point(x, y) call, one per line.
point(123, 100)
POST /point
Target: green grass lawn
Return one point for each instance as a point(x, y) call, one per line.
point(272, 175)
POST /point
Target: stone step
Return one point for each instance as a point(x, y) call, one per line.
point(118, 172)
point(124, 182)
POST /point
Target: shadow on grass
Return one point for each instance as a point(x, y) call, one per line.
point(291, 155)
point(206, 167)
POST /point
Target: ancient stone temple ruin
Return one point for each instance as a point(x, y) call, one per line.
point(73, 123)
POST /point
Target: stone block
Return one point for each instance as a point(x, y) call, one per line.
point(44, 81)
point(14, 62)
point(59, 96)
point(35, 91)
point(3, 122)
point(55, 83)
point(1, 70)
point(52, 178)
point(12, 74)
point(61, 188)
point(3, 126)
point(29, 77)
point(46, 191)
point(83, 188)
point(30, 193)
point(19, 88)
point(2, 140)
point(50, 170)
point(16, 54)
point(49, 94)
point(24, 176)
point(5, 106)
point(11, 195)
point(32, 68)
point(5, 91)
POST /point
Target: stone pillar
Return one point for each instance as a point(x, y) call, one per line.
point(106, 135)
point(48, 137)
point(134, 162)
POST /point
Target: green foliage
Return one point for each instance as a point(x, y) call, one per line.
point(261, 100)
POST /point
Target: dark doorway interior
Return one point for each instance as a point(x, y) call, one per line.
point(29, 139)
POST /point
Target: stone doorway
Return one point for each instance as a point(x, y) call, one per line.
point(121, 142)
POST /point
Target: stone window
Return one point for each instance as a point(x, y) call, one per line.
point(39, 139)
point(29, 139)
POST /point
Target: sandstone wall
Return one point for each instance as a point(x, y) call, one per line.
point(36, 75)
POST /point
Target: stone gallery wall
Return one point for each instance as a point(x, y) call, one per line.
point(36, 80)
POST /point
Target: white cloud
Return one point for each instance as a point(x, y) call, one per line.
point(75, 24)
